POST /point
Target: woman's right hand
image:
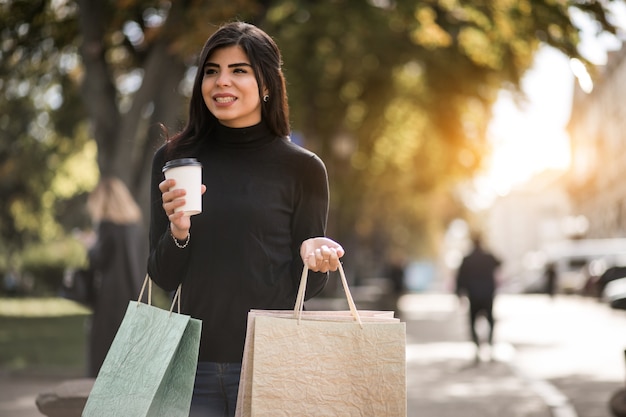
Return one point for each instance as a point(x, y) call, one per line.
point(321, 254)
point(179, 222)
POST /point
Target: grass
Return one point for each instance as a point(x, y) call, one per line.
point(42, 336)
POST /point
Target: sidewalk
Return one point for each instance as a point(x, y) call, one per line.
point(18, 394)
point(442, 378)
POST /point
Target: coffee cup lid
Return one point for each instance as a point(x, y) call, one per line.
point(181, 162)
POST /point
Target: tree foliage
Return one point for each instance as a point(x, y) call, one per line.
point(408, 87)
point(395, 96)
point(41, 121)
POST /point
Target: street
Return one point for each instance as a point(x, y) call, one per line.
point(552, 358)
point(569, 352)
point(577, 344)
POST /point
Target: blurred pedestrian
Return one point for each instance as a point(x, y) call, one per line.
point(394, 272)
point(264, 209)
point(117, 261)
point(551, 279)
point(11, 283)
point(476, 279)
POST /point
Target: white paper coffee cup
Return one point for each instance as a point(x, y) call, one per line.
point(188, 175)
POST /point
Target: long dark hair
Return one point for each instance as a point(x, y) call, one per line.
point(266, 62)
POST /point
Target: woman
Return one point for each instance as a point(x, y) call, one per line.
point(265, 207)
point(116, 260)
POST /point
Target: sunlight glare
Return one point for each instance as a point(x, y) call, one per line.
point(530, 138)
point(582, 75)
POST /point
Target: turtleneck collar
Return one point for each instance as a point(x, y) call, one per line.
point(245, 137)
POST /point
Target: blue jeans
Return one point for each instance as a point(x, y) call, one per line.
point(215, 390)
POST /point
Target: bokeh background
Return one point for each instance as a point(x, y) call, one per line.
point(435, 118)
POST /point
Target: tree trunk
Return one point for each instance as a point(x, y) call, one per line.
point(162, 79)
point(127, 141)
point(98, 90)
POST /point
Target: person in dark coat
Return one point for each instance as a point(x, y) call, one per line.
point(116, 261)
point(476, 279)
point(551, 280)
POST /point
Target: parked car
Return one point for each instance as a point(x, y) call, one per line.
point(597, 284)
point(615, 293)
point(573, 258)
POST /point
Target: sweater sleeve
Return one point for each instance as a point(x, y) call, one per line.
point(167, 263)
point(310, 217)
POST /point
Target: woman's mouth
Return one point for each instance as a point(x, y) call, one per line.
point(224, 99)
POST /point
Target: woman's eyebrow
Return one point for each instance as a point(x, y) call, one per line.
point(235, 65)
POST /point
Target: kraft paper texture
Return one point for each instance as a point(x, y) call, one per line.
point(325, 364)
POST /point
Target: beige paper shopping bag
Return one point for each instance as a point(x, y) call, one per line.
point(323, 363)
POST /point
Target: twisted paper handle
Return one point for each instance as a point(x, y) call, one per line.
point(148, 282)
point(299, 307)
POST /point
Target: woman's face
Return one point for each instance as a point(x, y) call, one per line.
point(229, 88)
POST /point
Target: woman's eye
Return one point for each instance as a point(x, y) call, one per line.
point(209, 71)
point(240, 71)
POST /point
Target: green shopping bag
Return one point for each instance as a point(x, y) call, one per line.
point(150, 368)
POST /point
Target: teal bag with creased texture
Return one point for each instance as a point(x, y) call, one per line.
point(151, 366)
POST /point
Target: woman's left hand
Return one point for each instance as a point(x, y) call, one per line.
point(321, 254)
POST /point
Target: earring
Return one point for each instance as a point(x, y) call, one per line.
point(266, 98)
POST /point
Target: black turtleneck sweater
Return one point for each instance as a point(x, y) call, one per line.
point(265, 196)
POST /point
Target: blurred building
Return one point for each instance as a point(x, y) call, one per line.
point(519, 224)
point(585, 206)
point(574, 216)
point(597, 128)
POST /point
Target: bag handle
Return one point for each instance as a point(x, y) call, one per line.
point(148, 282)
point(299, 307)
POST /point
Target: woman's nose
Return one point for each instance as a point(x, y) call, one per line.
point(223, 79)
